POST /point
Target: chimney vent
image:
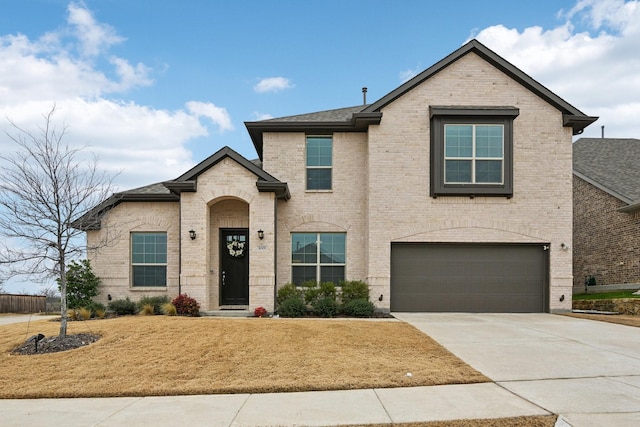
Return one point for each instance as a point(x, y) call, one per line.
point(602, 129)
point(364, 95)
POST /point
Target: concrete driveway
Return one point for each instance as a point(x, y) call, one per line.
point(586, 371)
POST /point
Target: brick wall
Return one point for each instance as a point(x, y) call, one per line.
point(111, 258)
point(381, 191)
point(606, 243)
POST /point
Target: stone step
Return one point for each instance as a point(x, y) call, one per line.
point(226, 313)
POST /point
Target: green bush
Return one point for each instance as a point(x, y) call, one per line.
point(326, 307)
point(358, 308)
point(288, 291)
point(95, 307)
point(292, 307)
point(82, 284)
point(123, 307)
point(353, 290)
point(156, 302)
point(186, 306)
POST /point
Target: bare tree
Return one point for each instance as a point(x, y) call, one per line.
point(45, 186)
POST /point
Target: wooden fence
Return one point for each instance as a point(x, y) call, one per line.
point(22, 303)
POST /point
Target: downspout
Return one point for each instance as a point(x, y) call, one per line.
point(275, 251)
point(180, 247)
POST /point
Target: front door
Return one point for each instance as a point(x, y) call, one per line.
point(234, 266)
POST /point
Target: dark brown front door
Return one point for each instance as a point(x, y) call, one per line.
point(234, 266)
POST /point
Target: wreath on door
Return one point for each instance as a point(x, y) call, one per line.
point(236, 248)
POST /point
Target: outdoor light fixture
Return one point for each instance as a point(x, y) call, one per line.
point(192, 234)
point(564, 246)
point(260, 234)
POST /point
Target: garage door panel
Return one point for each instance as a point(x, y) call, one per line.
point(468, 278)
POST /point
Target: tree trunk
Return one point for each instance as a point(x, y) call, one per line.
point(63, 297)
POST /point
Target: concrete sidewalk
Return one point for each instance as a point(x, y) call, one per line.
point(274, 409)
point(23, 318)
point(587, 372)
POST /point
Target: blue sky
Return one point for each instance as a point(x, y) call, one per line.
point(154, 87)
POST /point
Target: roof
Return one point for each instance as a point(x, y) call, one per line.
point(169, 191)
point(348, 119)
point(157, 192)
point(611, 164)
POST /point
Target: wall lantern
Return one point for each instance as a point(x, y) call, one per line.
point(192, 234)
point(260, 234)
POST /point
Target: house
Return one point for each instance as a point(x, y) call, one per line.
point(606, 206)
point(451, 193)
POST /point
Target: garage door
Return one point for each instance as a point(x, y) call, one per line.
point(475, 278)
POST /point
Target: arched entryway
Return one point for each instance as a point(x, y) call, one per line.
point(229, 253)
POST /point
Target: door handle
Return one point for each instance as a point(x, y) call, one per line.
point(224, 275)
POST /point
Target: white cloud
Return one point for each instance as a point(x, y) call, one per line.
point(407, 75)
point(261, 116)
point(217, 115)
point(594, 69)
point(146, 144)
point(94, 37)
point(272, 84)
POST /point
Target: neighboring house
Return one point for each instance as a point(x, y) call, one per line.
point(451, 193)
point(606, 211)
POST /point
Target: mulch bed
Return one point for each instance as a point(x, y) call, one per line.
point(54, 344)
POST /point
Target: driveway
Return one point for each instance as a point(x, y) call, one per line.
point(586, 371)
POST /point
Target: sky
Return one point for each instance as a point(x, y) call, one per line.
point(154, 87)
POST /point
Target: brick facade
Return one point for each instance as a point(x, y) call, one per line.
point(379, 196)
point(606, 243)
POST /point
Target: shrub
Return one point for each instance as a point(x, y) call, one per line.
point(122, 307)
point(82, 284)
point(84, 313)
point(288, 291)
point(260, 312)
point(72, 314)
point(292, 307)
point(169, 309)
point(359, 308)
point(100, 313)
point(314, 292)
point(186, 306)
point(156, 302)
point(353, 290)
point(96, 306)
point(147, 310)
point(326, 307)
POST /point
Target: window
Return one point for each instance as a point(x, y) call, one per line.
point(473, 154)
point(471, 151)
point(318, 256)
point(149, 259)
point(319, 161)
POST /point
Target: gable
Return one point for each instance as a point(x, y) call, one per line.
point(187, 182)
point(572, 117)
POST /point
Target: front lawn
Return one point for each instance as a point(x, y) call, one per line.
point(606, 295)
point(160, 355)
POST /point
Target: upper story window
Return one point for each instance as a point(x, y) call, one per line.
point(149, 259)
point(473, 154)
point(472, 151)
point(319, 162)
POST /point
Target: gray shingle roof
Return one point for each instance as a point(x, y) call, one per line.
point(337, 115)
point(612, 164)
point(157, 188)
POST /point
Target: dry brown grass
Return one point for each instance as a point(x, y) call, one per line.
point(539, 421)
point(161, 355)
point(611, 318)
